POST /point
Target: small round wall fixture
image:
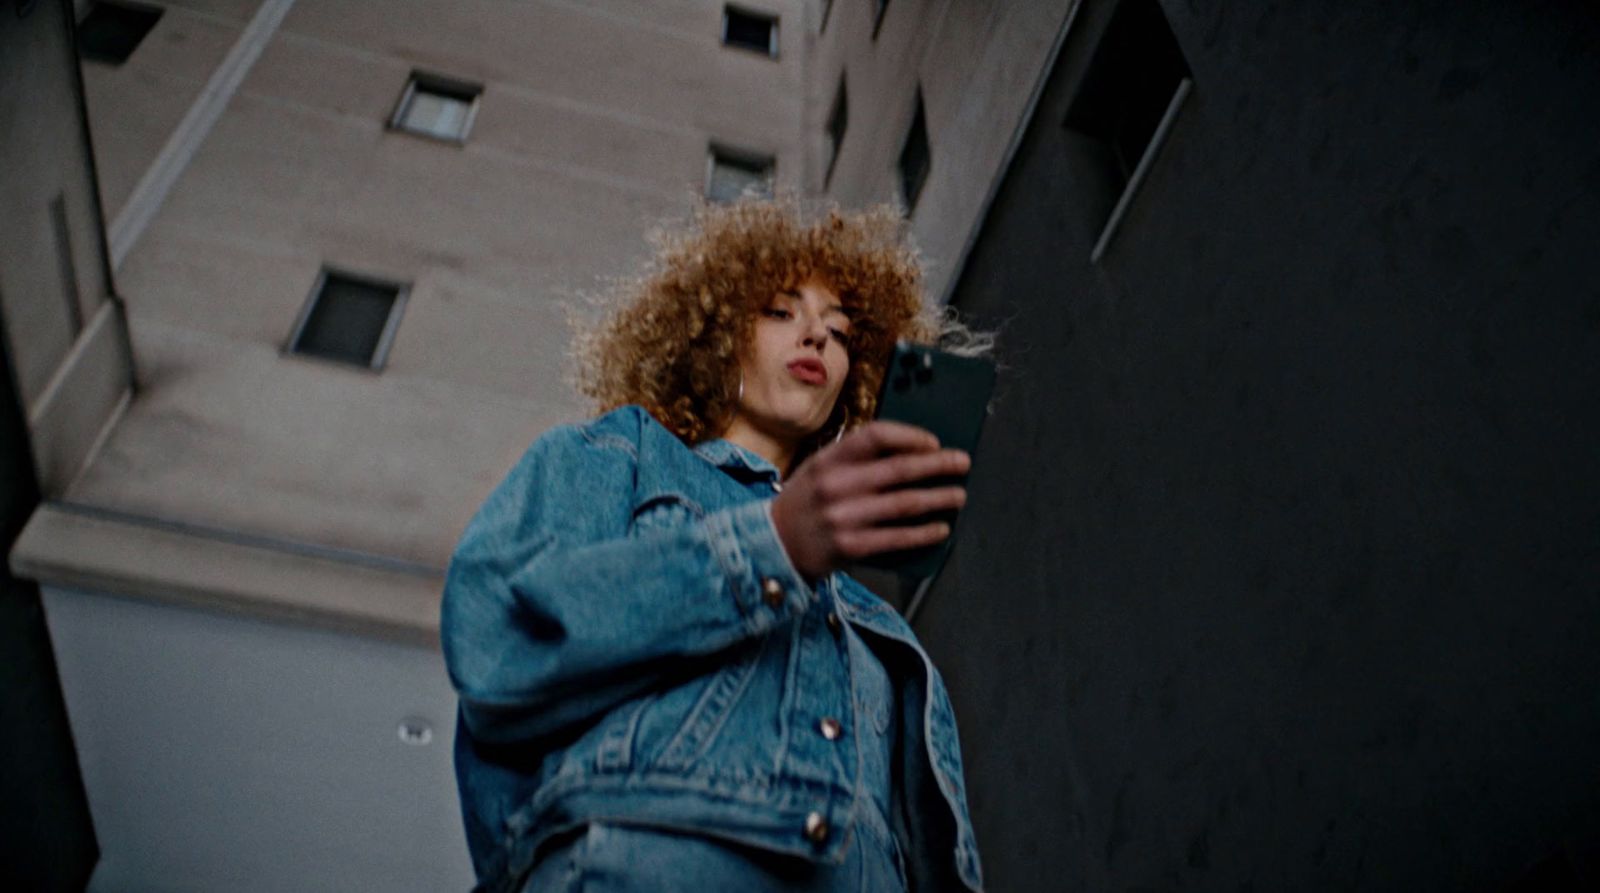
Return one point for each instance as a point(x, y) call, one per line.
point(415, 731)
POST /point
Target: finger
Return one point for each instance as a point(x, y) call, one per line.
point(876, 438)
point(908, 503)
point(875, 540)
point(894, 471)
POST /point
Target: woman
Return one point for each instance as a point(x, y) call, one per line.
point(666, 682)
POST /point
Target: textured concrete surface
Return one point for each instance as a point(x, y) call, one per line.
point(1279, 572)
point(224, 753)
point(593, 125)
point(52, 279)
point(976, 64)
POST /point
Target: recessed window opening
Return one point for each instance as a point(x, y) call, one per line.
point(110, 32)
point(349, 318)
point(915, 158)
point(750, 30)
point(735, 173)
point(838, 122)
point(436, 106)
point(1130, 95)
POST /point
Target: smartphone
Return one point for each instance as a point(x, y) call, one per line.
point(948, 395)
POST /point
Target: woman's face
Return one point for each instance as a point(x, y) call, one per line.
point(796, 362)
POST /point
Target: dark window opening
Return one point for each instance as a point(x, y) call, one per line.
point(437, 107)
point(838, 122)
point(735, 174)
point(110, 32)
point(350, 319)
point(1136, 71)
point(750, 30)
point(915, 159)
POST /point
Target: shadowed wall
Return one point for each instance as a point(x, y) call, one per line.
point(1282, 565)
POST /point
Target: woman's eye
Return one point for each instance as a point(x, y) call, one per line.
point(839, 336)
point(776, 313)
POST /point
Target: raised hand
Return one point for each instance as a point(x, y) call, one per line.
point(842, 503)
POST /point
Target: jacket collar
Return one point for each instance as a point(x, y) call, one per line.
point(735, 459)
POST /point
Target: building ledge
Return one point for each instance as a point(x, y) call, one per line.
point(118, 556)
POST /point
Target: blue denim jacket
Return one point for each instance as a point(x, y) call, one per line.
point(630, 642)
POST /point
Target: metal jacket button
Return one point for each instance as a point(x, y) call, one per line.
point(831, 729)
point(816, 828)
point(772, 592)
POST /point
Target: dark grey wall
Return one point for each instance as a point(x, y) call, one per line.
point(47, 841)
point(1282, 565)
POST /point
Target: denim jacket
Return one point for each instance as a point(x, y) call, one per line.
point(630, 642)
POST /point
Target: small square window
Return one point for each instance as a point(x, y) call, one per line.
point(437, 107)
point(750, 30)
point(915, 158)
point(838, 122)
point(1134, 85)
point(736, 174)
point(349, 318)
point(110, 32)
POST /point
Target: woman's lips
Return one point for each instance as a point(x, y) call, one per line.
point(809, 371)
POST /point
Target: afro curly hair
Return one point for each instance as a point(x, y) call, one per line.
point(669, 338)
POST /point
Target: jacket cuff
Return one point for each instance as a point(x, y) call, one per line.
point(760, 575)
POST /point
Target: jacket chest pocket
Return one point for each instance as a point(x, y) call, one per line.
point(663, 512)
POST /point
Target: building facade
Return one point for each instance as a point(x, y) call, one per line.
point(345, 235)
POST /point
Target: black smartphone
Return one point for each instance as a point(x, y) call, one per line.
point(948, 395)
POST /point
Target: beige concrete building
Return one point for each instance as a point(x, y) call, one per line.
point(343, 232)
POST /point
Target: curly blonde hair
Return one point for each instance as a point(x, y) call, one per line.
point(670, 338)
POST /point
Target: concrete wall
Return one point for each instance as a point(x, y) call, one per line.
point(56, 395)
point(138, 104)
point(1279, 570)
point(976, 63)
point(68, 341)
point(594, 122)
point(224, 753)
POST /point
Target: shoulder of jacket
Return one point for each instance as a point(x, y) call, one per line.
point(630, 429)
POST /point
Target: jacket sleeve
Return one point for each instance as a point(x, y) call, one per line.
point(553, 614)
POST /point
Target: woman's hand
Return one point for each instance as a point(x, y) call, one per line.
point(842, 503)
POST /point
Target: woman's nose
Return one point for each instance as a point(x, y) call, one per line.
point(813, 331)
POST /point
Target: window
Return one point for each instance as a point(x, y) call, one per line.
point(735, 173)
point(1134, 86)
point(914, 158)
point(112, 31)
point(879, 7)
point(437, 107)
point(349, 318)
point(838, 121)
point(750, 30)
